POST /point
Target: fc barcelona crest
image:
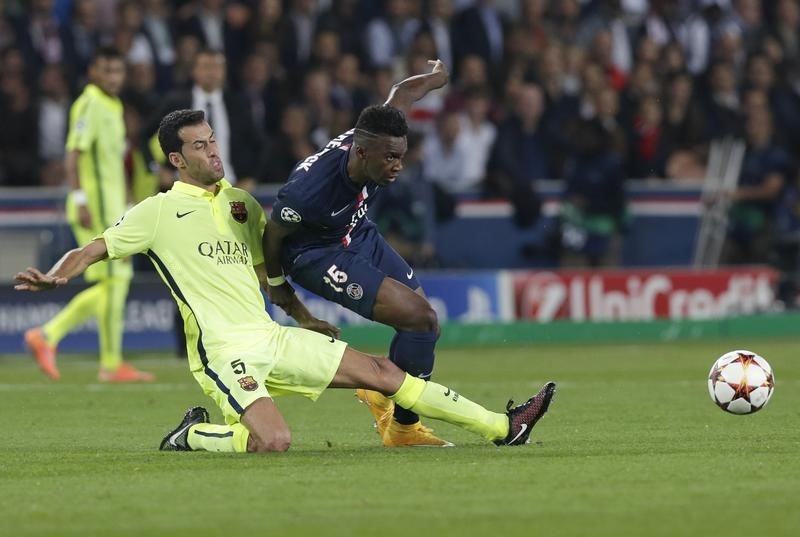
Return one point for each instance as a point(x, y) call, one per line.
point(239, 211)
point(248, 383)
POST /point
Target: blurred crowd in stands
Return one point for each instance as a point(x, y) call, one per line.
point(592, 92)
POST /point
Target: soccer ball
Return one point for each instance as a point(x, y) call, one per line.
point(741, 382)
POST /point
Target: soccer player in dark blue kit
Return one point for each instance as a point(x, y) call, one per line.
point(320, 235)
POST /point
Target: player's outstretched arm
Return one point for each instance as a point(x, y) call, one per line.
point(71, 264)
point(408, 91)
point(294, 307)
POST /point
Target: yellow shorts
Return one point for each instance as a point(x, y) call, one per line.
point(286, 360)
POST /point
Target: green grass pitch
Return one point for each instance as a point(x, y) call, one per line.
point(632, 446)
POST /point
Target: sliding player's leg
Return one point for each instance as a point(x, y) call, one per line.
point(352, 278)
point(236, 383)
point(433, 400)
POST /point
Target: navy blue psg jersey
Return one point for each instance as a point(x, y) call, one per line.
point(321, 202)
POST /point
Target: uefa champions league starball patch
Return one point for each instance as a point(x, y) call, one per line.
point(290, 215)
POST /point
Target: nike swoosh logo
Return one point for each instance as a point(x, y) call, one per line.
point(340, 211)
point(410, 274)
point(181, 215)
point(522, 429)
point(176, 435)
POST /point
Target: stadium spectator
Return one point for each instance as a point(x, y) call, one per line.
point(643, 82)
point(786, 29)
point(347, 91)
point(219, 27)
point(646, 155)
point(19, 137)
point(54, 102)
point(438, 23)
point(603, 53)
point(297, 36)
point(722, 102)
point(80, 37)
point(605, 30)
point(765, 171)
point(263, 92)
point(785, 254)
point(317, 100)
point(784, 103)
point(386, 37)
point(593, 209)
point(240, 143)
point(472, 72)
point(268, 23)
point(480, 30)
point(38, 34)
point(160, 38)
point(477, 134)
point(346, 17)
point(187, 48)
point(683, 133)
point(521, 155)
point(566, 21)
point(749, 18)
point(291, 144)
point(443, 157)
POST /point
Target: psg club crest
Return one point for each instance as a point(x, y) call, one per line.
point(239, 211)
point(248, 383)
point(355, 291)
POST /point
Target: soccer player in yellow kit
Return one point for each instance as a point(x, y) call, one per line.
point(204, 237)
point(98, 198)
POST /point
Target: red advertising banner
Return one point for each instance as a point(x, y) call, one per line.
point(612, 295)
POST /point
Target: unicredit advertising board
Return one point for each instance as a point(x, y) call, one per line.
point(613, 295)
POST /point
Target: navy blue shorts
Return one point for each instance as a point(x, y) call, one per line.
point(351, 276)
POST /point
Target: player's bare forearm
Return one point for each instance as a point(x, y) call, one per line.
point(72, 264)
point(298, 311)
point(272, 244)
point(284, 297)
point(412, 89)
point(71, 169)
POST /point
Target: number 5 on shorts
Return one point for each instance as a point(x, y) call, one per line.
point(334, 276)
point(238, 367)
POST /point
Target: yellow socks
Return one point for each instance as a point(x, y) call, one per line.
point(433, 400)
point(220, 438)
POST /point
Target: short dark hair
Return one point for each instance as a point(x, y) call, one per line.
point(106, 53)
point(173, 122)
point(207, 51)
point(380, 119)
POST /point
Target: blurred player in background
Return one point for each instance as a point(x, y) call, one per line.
point(97, 199)
point(321, 235)
point(204, 237)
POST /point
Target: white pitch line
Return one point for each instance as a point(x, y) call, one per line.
point(157, 387)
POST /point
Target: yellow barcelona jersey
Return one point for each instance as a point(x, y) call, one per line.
point(204, 245)
point(97, 130)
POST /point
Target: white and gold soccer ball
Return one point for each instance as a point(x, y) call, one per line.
point(741, 382)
